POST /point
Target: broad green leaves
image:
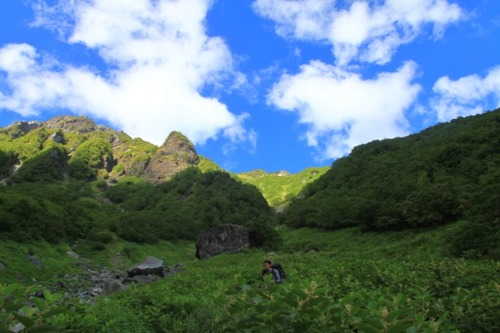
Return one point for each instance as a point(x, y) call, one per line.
point(21, 309)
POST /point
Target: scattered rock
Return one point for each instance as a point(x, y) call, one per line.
point(151, 266)
point(113, 286)
point(96, 280)
point(37, 262)
point(141, 279)
point(225, 238)
point(17, 328)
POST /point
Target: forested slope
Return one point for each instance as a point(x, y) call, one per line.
point(448, 172)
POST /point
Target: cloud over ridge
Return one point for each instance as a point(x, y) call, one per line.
point(338, 105)
point(342, 109)
point(160, 59)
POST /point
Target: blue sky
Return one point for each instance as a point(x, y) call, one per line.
point(263, 84)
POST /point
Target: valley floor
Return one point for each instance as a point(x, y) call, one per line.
point(338, 281)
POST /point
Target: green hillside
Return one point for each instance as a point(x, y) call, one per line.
point(402, 235)
point(345, 281)
point(133, 209)
point(279, 188)
point(443, 174)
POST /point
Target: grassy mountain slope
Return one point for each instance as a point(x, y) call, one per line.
point(429, 196)
point(87, 151)
point(350, 281)
point(279, 188)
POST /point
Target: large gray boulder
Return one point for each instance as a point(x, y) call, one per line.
point(151, 266)
point(225, 238)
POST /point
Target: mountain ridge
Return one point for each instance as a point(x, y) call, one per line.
point(125, 156)
point(90, 151)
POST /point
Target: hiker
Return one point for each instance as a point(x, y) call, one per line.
point(269, 268)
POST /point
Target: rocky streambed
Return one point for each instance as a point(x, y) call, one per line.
point(95, 279)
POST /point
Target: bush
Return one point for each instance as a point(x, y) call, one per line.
point(100, 235)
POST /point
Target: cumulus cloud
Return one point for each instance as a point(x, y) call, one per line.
point(341, 109)
point(367, 31)
point(158, 60)
point(466, 96)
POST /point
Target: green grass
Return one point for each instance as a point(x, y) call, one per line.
point(337, 281)
point(419, 244)
point(278, 188)
point(56, 262)
point(19, 268)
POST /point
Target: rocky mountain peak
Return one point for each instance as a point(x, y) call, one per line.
point(176, 154)
point(82, 139)
point(176, 141)
point(78, 124)
point(20, 128)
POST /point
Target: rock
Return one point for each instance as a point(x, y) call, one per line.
point(22, 127)
point(77, 124)
point(225, 238)
point(112, 286)
point(141, 279)
point(150, 266)
point(35, 261)
point(57, 137)
point(169, 271)
point(17, 328)
point(2, 266)
point(176, 154)
point(73, 254)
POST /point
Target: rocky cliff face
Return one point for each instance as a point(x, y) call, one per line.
point(176, 154)
point(79, 125)
point(129, 157)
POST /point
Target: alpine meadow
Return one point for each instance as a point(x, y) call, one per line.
point(401, 235)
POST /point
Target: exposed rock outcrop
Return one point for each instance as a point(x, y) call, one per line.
point(225, 238)
point(20, 128)
point(124, 157)
point(175, 155)
point(73, 124)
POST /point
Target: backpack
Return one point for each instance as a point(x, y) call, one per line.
point(280, 270)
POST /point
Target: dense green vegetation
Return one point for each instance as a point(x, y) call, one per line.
point(398, 281)
point(70, 147)
point(188, 203)
point(445, 173)
point(279, 188)
point(402, 235)
point(133, 209)
point(56, 212)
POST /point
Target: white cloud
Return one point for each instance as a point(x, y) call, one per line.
point(368, 31)
point(466, 96)
point(342, 110)
point(28, 81)
point(158, 60)
point(17, 58)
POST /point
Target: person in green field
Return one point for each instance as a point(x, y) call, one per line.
point(276, 271)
